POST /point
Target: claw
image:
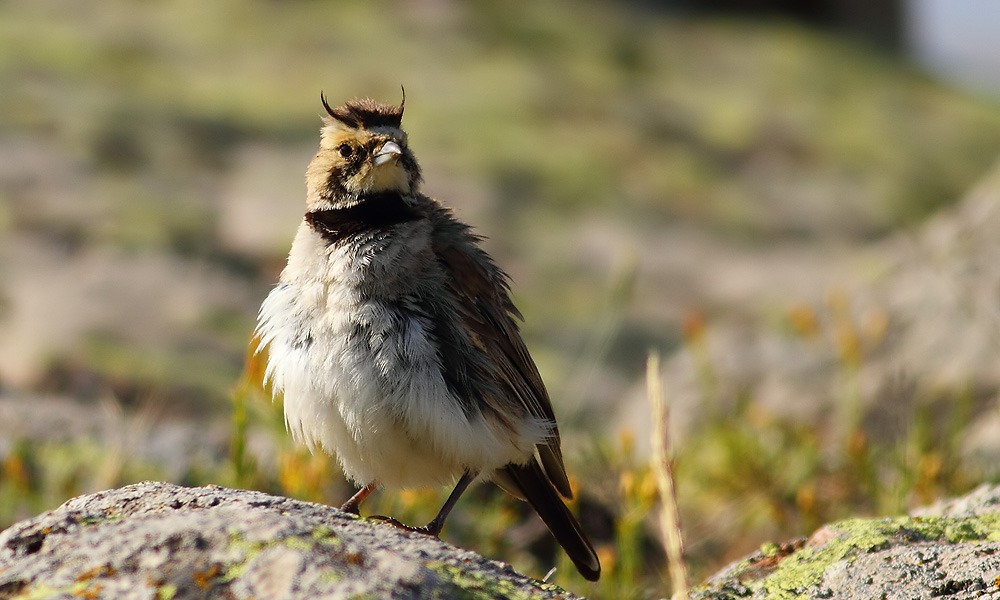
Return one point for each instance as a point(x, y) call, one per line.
point(428, 529)
point(433, 528)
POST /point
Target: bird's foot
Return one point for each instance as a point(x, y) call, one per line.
point(351, 508)
point(431, 529)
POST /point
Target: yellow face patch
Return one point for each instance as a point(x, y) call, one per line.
point(349, 154)
point(387, 177)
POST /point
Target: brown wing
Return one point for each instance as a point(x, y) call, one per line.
point(483, 296)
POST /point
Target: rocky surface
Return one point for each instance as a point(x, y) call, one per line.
point(950, 550)
point(162, 541)
point(158, 540)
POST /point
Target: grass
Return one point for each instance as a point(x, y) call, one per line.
point(662, 465)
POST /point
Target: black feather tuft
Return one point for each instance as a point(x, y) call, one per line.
point(366, 113)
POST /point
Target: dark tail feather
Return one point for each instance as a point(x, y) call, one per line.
point(536, 488)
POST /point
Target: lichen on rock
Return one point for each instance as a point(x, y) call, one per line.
point(943, 551)
point(159, 541)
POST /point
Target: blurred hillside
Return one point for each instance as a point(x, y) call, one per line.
point(726, 191)
point(151, 159)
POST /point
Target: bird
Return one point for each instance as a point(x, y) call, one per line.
point(393, 341)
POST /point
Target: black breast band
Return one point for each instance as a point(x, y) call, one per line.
point(372, 213)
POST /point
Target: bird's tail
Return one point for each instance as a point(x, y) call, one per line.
point(530, 483)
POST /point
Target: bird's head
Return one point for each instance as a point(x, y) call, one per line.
point(363, 150)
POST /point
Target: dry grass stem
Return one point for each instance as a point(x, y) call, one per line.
point(663, 471)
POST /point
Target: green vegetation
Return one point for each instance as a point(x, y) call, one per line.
point(551, 125)
point(743, 478)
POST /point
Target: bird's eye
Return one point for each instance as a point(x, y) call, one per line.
point(345, 150)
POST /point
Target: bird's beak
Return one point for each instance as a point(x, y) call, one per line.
point(388, 151)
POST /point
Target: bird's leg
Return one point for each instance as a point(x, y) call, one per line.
point(437, 523)
point(353, 505)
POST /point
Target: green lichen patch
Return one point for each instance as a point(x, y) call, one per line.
point(770, 549)
point(474, 586)
point(325, 535)
point(250, 550)
point(166, 592)
point(297, 543)
point(794, 575)
point(40, 591)
point(320, 535)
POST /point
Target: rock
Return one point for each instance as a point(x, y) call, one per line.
point(951, 550)
point(865, 334)
point(982, 501)
point(157, 541)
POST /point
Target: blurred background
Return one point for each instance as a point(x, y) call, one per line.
point(794, 203)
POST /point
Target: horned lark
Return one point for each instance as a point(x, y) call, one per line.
point(394, 342)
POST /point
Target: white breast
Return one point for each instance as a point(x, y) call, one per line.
point(360, 375)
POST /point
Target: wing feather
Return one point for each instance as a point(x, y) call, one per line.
point(482, 294)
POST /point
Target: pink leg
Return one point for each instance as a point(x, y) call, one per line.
point(353, 505)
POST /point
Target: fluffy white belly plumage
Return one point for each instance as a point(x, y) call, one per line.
point(361, 378)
